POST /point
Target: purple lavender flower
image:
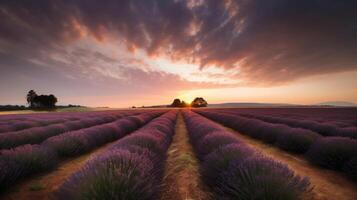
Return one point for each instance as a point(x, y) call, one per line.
point(261, 178)
point(332, 152)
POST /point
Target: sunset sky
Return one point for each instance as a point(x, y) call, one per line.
point(120, 53)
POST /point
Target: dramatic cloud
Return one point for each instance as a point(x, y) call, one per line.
point(257, 42)
point(85, 76)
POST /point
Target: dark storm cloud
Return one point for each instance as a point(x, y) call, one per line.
point(268, 42)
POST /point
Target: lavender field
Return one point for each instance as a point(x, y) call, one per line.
point(139, 154)
point(178, 100)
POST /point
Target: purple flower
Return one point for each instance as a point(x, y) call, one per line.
point(261, 178)
point(332, 152)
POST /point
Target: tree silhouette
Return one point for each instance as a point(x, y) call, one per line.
point(41, 101)
point(176, 103)
point(52, 100)
point(45, 101)
point(30, 98)
point(184, 104)
point(199, 102)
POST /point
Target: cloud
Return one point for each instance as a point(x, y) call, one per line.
point(266, 42)
point(88, 77)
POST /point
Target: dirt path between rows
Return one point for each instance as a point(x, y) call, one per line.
point(182, 181)
point(42, 186)
point(328, 184)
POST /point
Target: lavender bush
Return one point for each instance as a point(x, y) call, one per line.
point(220, 159)
point(78, 142)
point(261, 178)
point(143, 140)
point(235, 171)
point(350, 168)
point(114, 174)
point(328, 152)
point(214, 140)
point(296, 140)
point(332, 152)
point(23, 161)
point(325, 128)
point(11, 171)
point(14, 123)
point(38, 134)
point(130, 169)
point(30, 159)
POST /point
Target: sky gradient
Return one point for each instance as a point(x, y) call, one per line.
point(148, 52)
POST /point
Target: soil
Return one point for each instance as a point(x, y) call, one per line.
point(182, 180)
point(327, 184)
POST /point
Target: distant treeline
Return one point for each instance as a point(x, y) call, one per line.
point(177, 103)
point(22, 107)
point(41, 101)
point(197, 102)
point(12, 107)
point(69, 106)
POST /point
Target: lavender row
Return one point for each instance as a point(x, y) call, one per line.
point(37, 135)
point(23, 121)
point(8, 126)
point(235, 171)
point(342, 117)
point(295, 140)
point(130, 169)
point(20, 122)
point(26, 160)
point(338, 153)
point(325, 129)
point(54, 115)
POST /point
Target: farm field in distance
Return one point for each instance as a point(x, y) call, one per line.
point(178, 154)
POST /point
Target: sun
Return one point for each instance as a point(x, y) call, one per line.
point(186, 97)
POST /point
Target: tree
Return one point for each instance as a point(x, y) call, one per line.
point(45, 101)
point(52, 100)
point(199, 102)
point(184, 104)
point(176, 103)
point(41, 101)
point(31, 95)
